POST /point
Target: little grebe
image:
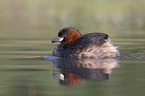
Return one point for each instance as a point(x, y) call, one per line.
point(92, 45)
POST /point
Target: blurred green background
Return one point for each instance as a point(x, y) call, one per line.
point(85, 15)
point(27, 27)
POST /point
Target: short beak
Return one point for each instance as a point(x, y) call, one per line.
point(58, 39)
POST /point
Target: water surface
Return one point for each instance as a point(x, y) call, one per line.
point(27, 27)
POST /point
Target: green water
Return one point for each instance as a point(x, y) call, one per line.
point(27, 27)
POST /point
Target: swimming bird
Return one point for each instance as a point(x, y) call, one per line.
point(91, 45)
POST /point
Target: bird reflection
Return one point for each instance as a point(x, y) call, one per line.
point(73, 71)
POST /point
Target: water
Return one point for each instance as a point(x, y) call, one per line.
point(25, 37)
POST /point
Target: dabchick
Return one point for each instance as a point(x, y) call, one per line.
point(91, 45)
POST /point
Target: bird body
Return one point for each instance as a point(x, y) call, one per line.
point(91, 45)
